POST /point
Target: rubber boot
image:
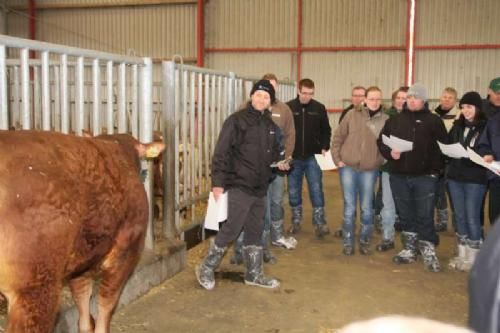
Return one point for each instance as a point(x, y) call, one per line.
point(428, 252)
point(408, 254)
point(385, 245)
point(457, 261)
point(205, 271)
point(364, 248)
point(471, 251)
point(442, 220)
point(365, 236)
point(296, 220)
point(278, 236)
point(377, 222)
point(268, 256)
point(237, 258)
point(254, 276)
point(319, 222)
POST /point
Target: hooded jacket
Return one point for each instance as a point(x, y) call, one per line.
point(424, 129)
point(355, 140)
point(312, 128)
point(247, 146)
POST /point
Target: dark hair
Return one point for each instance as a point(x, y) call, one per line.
point(395, 93)
point(480, 116)
point(308, 83)
point(358, 88)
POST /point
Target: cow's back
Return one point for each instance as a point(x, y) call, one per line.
point(63, 200)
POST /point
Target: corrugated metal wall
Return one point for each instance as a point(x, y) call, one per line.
point(457, 22)
point(354, 22)
point(158, 31)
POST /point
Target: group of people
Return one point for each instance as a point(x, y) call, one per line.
point(266, 140)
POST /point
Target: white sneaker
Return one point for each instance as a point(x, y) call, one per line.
point(288, 243)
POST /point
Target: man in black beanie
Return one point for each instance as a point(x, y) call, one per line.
point(241, 166)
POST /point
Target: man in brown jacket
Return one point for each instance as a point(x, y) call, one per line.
point(273, 219)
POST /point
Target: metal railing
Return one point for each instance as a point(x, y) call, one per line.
point(53, 92)
point(195, 103)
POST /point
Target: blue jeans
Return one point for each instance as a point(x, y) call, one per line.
point(313, 174)
point(441, 202)
point(274, 203)
point(414, 197)
point(354, 183)
point(466, 199)
point(388, 211)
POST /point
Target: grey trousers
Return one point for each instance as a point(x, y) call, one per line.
point(244, 212)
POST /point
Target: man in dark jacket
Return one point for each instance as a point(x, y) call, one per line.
point(312, 136)
point(491, 105)
point(247, 146)
point(414, 175)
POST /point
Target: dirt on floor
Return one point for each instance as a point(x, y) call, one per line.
point(321, 289)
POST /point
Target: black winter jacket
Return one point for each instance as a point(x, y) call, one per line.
point(422, 128)
point(312, 128)
point(248, 144)
point(463, 169)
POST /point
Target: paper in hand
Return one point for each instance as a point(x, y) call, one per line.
point(397, 144)
point(216, 211)
point(325, 162)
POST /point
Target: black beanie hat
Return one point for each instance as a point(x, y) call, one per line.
point(471, 98)
point(267, 87)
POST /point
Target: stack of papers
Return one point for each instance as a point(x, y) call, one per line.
point(456, 150)
point(216, 211)
point(397, 144)
point(325, 162)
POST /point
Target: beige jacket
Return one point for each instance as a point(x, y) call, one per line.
point(355, 140)
point(283, 117)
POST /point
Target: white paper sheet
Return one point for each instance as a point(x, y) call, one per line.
point(216, 211)
point(493, 166)
point(455, 150)
point(397, 144)
point(325, 162)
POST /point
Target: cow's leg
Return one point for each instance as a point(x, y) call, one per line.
point(81, 288)
point(33, 309)
point(116, 269)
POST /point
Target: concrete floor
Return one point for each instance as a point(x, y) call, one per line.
point(321, 290)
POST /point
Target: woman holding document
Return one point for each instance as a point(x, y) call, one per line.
point(467, 181)
point(355, 152)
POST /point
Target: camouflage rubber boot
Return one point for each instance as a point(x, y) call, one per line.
point(278, 236)
point(455, 262)
point(268, 255)
point(409, 253)
point(319, 222)
point(205, 271)
point(254, 275)
point(442, 220)
point(428, 252)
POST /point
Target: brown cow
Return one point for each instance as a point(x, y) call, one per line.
point(70, 208)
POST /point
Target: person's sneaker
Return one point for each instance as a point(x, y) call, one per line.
point(348, 250)
point(288, 243)
point(338, 233)
point(294, 229)
point(385, 245)
point(321, 230)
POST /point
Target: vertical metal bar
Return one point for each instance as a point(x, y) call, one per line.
point(177, 178)
point(146, 135)
point(214, 113)
point(25, 90)
point(45, 92)
point(134, 113)
point(57, 100)
point(192, 143)
point(37, 110)
point(4, 110)
point(218, 119)
point(231, 94)
point(79, 105)
point(109, 113)
point(122, 98)
point(184, 123)
point(206, 129)
point(169, 120)
point(64, 94)
point(16, 112)
point(96, 93)
point(199, 133)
